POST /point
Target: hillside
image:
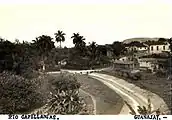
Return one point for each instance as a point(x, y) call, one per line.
point(139, 39)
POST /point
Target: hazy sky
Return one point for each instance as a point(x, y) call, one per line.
point(104, 21)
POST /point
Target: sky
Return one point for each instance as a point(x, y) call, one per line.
point(102, 21)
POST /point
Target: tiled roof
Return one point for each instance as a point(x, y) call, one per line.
point(137, 44)
point(156, 43)
point(123, 62)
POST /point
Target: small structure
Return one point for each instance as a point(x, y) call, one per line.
point(153, 62)
point(129, 65)
point(109, 53)
point(136, 47)
point(124, 59)
point(109, 50)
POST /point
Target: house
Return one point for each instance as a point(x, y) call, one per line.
point(125, 64)
point(109, 50)
point(136, 47)
point(157, 48)
point(106, 50)
point(153, 62)
point(109, 53)
point(124, 59)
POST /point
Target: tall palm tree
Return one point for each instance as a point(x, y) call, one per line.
point(44, 44)
point(60, 37)
point(92, 53)
point(79, 42)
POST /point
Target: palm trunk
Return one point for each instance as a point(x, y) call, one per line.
point(60, 48)
point(43, 65)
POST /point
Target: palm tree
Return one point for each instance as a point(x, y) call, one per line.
point(79, 42)
point(44, 44)
point(93, 52)
point(144, 110)
point(60, 37)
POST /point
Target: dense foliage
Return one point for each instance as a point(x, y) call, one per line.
point(64, 97)
point(18, 95)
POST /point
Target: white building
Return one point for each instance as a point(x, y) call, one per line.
point(109, 53)
point(151, 63)
point(159, 48)
point(124, 59)
point(137, 47)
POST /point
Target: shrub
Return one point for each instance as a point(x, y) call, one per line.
point(160, 73)
point(135, 76)
point(138, 76)
point(18, 95)
point(30, 74)
point(64, 96)
point(144, 110)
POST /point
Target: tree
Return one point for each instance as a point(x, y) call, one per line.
point(44, 44)
point(79, 42)
point(118, 48)
point(6, 55)
point(170, 42)
point(162, 40)
point(92, 52)
point(59, 36)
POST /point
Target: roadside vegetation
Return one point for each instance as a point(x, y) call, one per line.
point(44, 94)
point(144, 110)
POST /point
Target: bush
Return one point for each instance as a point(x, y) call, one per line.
point(18, 95)
point(144, 110)
point(30, 74)
point(137, 76)
point(65, 98)
point(160, 73)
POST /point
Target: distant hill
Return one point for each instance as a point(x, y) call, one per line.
point(139, 40)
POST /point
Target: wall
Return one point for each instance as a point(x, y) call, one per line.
point(160, 48)
point(109, 53)
point(145, 64)
point(142, 48)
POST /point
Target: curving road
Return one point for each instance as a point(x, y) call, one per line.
point(129, 92)
point(133, 98)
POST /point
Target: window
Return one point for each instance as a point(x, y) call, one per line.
point(157, 47)
point(152, 48)
point(164, 47)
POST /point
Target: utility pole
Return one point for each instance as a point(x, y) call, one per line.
point(169, 75)
point(170, 85)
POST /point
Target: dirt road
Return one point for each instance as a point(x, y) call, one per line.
point(129, 92)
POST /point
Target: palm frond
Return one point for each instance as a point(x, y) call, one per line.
point(131, 109)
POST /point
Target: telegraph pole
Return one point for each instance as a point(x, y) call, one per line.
point(169, 76)
point(170, 85)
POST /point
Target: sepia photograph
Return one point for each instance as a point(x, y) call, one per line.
point(85, 57)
